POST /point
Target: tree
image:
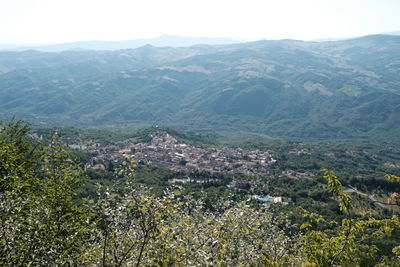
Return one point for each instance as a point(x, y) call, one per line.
point(346, 242)
point(40, 221)
point(138, 229)
point(19, 158)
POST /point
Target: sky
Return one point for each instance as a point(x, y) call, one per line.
point(60, 21)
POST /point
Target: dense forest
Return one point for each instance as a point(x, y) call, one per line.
point(53, 211)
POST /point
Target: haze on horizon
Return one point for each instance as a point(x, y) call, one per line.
point(50, 21)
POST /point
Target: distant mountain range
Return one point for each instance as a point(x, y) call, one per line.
point(348, 38)
point(161, 41)
point(342, 89)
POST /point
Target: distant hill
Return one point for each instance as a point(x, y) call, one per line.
point(342, 89)
point(161, 41)
point(392, 33)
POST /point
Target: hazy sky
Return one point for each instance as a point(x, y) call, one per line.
point(55, 21)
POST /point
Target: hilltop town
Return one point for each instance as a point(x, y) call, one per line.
point(165, 150)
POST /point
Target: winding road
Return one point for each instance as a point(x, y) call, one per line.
point(371, 197)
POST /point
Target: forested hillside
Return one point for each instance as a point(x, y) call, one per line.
point(341, 89)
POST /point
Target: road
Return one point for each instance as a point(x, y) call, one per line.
point(371, 197)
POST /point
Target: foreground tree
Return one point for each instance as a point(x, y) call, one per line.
point(346, 243)
point(137, 228)
point(41, 222)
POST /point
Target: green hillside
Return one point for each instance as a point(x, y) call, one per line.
point(341, 89)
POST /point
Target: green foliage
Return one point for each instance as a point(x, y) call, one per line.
point(392, 178)
point(41, 222)
point(335, 187)
point(18, 157)
point(44, 222)
point(141, 229)
point(346, 242)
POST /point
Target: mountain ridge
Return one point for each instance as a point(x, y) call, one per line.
point(160, 41)
point(289, 88)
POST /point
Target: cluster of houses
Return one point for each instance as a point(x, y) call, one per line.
point(165, 150)
point(296, 174)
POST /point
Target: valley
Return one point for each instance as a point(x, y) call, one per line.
point(200, 133)
point(211, 145)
